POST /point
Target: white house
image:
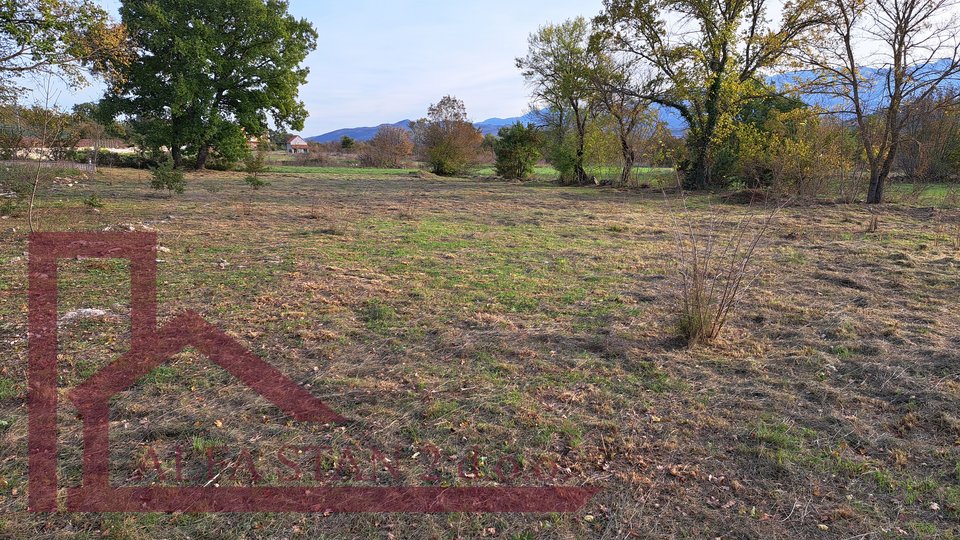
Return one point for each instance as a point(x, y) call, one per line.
point(297, 145)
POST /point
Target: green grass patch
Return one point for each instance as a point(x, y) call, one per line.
point(340, 171)
point(8, 389)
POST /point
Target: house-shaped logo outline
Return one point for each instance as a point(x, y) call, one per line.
point(151, 348)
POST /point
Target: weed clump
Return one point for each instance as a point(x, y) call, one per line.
point(714, 268)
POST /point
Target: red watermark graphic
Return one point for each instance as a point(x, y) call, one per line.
point(152, 347)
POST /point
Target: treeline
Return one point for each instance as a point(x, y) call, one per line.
point(709, 63)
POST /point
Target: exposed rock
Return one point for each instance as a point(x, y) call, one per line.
point(85, 313)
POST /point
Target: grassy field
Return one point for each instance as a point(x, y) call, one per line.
point(341, 171)
point(650, 176)
point(527, 321)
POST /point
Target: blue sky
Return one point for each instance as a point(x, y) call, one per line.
point(383, 61)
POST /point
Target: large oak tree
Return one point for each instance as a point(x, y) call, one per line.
point(207, 73)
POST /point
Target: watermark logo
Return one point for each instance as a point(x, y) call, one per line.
point(152, 347)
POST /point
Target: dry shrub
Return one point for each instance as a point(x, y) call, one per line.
point(316, 156)
point(446, 140)
point(390, 148)
point(714, 268)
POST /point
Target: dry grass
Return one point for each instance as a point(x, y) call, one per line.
point(530, 320)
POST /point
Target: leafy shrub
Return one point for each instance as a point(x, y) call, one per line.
point(517, 151)
point(165, 176)
point(254, 166)
point(563, 156)
point(93, 201)
point(106, 158)
point(446, 140)
point(793, 153)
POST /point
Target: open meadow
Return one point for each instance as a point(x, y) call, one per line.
point(492, 333)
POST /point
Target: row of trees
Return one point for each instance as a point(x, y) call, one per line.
point(710, 62)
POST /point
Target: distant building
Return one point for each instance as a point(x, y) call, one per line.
point(297, 145)
point(253, 143)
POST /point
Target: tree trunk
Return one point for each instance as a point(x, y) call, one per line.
point(879, 174)
point(202, 156)
point(177, 156)
point(582, 178)
point(629, 158)
point(698, 175)
point(581, 122)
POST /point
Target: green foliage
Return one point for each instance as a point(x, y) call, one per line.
point(347, 143)
point(793, 151)
point(231, 146)
point(59, 37)
point(167, 177)
point(602, 154)
point(558, 66)
point(106, 158)
point(8, 389)
point(562, 154)
point(706, 71)
point(93, 201)
point(446, 140)
point(255, 166)
point(206, 70)
point(517, 151)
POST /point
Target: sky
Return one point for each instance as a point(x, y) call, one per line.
point(383, 61)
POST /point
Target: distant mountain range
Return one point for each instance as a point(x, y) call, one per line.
point(488, 126)
point(872, 94)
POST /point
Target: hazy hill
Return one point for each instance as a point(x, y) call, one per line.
point(488, 126)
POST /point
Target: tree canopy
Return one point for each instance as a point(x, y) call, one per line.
point(706, 65)
point(206, 74)
point(57, 37)
point(447, 141)
point(558, 69)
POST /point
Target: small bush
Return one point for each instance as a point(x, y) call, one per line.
point(93, 201)
point(517, 150)
point(254, 166)
point(169, 178)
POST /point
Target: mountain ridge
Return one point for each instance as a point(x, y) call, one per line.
point(487, 127)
